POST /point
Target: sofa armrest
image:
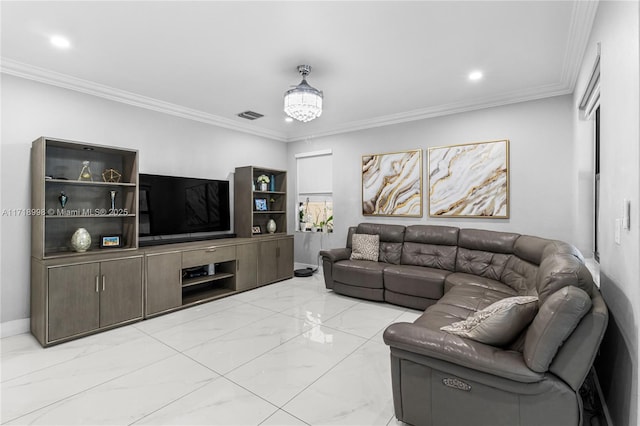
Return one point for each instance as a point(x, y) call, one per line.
point(464, 352)
point(335, 255)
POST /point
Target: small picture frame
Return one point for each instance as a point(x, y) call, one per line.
point(110, 241)
point(256, 230)
point(261, 204)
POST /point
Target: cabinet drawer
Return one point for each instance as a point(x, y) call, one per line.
point(208, 255)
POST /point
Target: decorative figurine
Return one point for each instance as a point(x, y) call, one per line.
point(85, 173)
point(111, 175)
point(62, 198)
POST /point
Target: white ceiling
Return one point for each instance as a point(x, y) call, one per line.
point(378, 63)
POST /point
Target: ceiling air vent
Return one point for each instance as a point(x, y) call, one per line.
point(250, 115)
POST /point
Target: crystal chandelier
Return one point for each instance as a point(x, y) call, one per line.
point(303, 102)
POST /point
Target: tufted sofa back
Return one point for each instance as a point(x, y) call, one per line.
point(391, 239)
point(530, 265)
point(484, 253)
point(431, 246)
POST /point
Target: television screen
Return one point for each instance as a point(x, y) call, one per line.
point(171, 205)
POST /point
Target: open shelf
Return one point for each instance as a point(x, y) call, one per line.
point(188, 282)
point(207, 287)
point(88, 183)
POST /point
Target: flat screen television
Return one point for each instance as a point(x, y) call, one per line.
point(179, 207)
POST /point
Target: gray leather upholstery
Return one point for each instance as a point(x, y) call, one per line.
point(452, 273)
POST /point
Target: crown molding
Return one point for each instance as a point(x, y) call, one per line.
point(42, 75)
point(441, 110)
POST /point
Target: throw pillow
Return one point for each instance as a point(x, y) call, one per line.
point(365, 247)
point(499, 323)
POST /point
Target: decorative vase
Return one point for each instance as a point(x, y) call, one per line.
point(112, 196)
point(63, 199)
point(272, 183)
point(263, 186)
point(271, 226)
point(80, 240)
point(303, 226)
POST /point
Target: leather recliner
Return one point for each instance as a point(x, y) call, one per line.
point(441, 379)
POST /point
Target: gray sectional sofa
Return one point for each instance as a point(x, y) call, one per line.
point(440, 378)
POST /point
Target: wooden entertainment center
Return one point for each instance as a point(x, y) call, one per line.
point(74, 294)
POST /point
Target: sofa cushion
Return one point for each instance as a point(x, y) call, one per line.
point(390, 253)
point(473, 298)
point(557, 318)
point(442, 314)
point(520, 275)
point(561, 270)
point(432, 234)
point(490, 241)
point(481, 263)
point(361, 273)
point(499, 323)
point(365, 247)
point(461, 278)
point(415, 280)
point(530, 248)
point(408, 300)
point(429, 255)
point(387, 233)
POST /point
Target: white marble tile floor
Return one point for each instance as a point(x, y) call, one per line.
point(291, 353)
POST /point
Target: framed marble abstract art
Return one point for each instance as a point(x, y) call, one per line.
point(392, 184)
point(469, 180)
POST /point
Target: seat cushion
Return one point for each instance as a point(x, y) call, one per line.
point(440, 314)
point(415, 280)
point(472, 298)
point(461, 278)
point(499, 323)
point(361, 273)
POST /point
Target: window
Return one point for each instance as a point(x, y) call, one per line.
point(315, 191)
point(590, 109)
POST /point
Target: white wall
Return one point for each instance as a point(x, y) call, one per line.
point(617, 29)
point(541, 169)
point(167, 145)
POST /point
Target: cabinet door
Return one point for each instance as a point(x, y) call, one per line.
point(285, 258)
point(121, 290)
point(247, 266)
point(267, 262)
point(163, 282)
point(74, 300)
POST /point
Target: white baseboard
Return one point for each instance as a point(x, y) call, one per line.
point(12, 328)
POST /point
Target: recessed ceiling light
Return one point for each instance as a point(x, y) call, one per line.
point(60, 42)
point(475, 75)
point(288, 119)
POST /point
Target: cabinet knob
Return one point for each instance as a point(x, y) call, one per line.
point(103, 282)
point(97, 284)
point(211, 249)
